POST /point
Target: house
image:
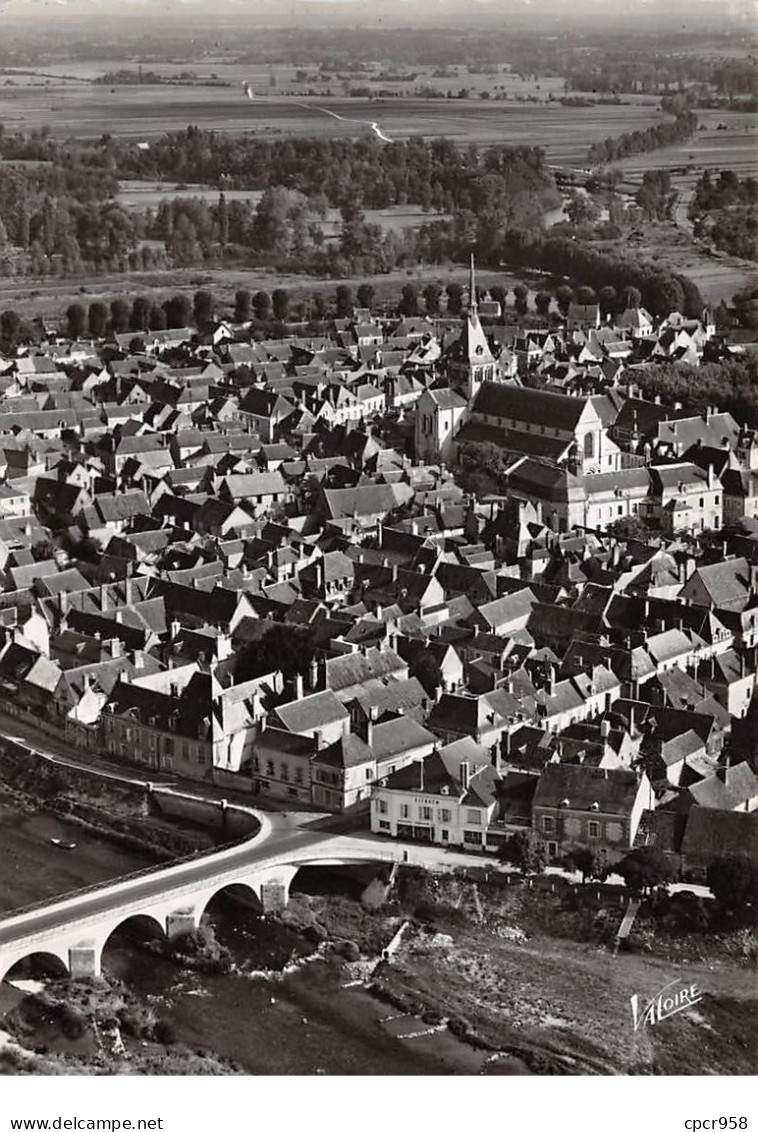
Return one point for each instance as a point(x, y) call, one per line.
point(684, 499)
point(164, 725)
point(343, 772)
point(589, 807)
point(448, 798)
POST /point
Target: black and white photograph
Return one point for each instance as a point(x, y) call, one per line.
point(378, 559)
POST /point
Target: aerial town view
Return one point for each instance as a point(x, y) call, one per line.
point(378, 540)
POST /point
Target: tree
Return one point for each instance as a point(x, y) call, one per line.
point(542, 302)
point(242, 305)
point(408, 301)
point(498, 294)
point(344, 301)
point(526, 851)
point(10, 327)
point(97, 317)
point(608, 300)
point(427, 671)
point(454, 293)
point(431, 294)
point(76, 320)
point(262, 305)
point(140, 316)
point(119, 316)
point(631, 298)
point(178, 311)
point(585, 296)
point(645, 869)
point(564, 297)
point(366, 296)
point(482, 467)
point(520, 298)
point(284, 648)
point(202, 308)
point(734, 884)
point(280, 301)
point(580, 208)
point(157, 317)
point(586, 861)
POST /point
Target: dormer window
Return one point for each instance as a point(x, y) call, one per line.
point(595, 806)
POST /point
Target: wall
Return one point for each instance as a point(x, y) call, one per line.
point(231, 820)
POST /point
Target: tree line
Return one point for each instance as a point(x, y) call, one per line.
point(683, 126)
point(661, 291)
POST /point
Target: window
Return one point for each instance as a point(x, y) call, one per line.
point(445, 835)
point(474, 817)
point(201, 757)
point(285, 773)
point(472, 837)
point(425, 813)
point(369, 774)
point(270, 768)
point(445, 816)
point(298, 774)
point(405, 810)
point(381, 806)
point(589, 445)
point(620, 509)
point(548, 825)
point(384, 825)
point(594, 829)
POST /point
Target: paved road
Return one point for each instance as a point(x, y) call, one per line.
point(285, 838)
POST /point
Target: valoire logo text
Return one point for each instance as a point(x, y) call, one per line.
point(664, 1004)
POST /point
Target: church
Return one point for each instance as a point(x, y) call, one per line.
point(470, 361)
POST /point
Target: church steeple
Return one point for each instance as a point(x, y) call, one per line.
point(471, 361)
point(472, 304)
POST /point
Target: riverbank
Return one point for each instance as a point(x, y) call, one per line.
point(489, 978)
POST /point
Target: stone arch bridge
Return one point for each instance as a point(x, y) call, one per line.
point(76, 928)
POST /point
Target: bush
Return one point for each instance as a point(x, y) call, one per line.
point(165, 1032)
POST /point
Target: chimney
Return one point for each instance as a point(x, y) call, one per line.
point(104, 597)
point(438, 693)
point(394, 571)
point(176, 628)
point(605, 728)
point(465, 773)
point(115, 647)
point(298, 687)
point(318, 735)
point(313, 675)
point(139, 659)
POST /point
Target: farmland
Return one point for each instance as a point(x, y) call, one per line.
point(143, 112)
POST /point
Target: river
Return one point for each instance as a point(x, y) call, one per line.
point(304, 1022)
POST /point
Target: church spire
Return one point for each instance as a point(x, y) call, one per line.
point(472, 289)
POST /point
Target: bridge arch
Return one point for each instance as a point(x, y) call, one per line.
point(137, 927)
point(243, 892)
point(35, 965)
